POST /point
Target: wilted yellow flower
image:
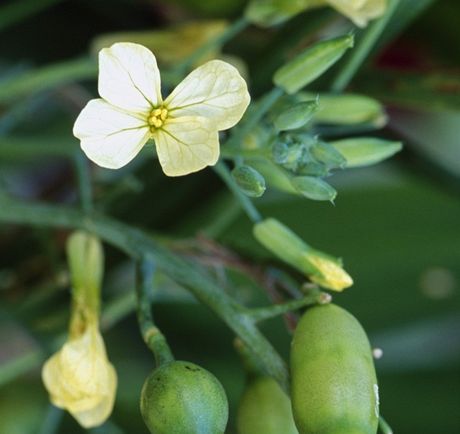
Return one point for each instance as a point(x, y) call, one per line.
point(331, 275)
point(80, 378)
point(114, 128)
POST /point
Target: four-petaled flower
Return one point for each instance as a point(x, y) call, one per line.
point(184, 126)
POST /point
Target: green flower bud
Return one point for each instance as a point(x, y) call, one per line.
point(275, 175)
point(249, 180)
point(313, 168)
point(310, 64)
point(333, 382)
point(314, 188)
point(265, 409)
point(296, 116)
point(321, 268)
point(365, 151)
point(328, 154)
point(183, 398)
point(347, 109)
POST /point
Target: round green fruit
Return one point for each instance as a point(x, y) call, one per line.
point(334, 386)
point(265, 409)
point(183, 398)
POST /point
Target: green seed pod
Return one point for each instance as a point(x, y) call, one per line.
point(183, 398)
point(311, 63)
point(265, 409)
point(334, 386)
point(250, 181)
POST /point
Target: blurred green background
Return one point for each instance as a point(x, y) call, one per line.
point(396, 225)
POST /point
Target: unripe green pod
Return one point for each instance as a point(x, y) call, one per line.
point(183, 398)
point(265, 409)
point(334, 386)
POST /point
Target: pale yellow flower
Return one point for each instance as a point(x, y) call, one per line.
point(360, 11)
point(80, 378)
point(269, 12)
point(114, 128)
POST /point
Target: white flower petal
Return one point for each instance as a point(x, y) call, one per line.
point(129, 77)
point(109, 136)
point(360, 11)
point(187, 144)
point(215, 90)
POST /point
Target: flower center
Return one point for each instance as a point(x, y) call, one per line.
point(157, 118)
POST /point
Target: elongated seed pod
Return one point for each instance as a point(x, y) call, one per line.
point(334, 386)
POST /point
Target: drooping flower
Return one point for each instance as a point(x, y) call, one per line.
point(114, 128)
point(80, 378)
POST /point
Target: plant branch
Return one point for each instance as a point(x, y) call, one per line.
point(140, 245)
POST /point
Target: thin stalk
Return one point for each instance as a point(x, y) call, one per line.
point(84, 182)
point(359, 54)
point(151, 334)
point(264, 313)
point(384, 427)
point(237, 27)
point(222, 170)
point(138, 245)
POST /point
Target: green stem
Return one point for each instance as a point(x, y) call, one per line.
point(84, 182)
point(359, 54)
point(264, 313)
point(222, 170)
point(237, 27)
point(47, 77)
point(151, 334)
point(138, 244)
point(384, 427)
point(17, 10)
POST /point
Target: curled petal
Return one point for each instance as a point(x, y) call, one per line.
point(110, 137)
point(187, 144)
point(80, 379)
point(215, 91)
point(129, 77)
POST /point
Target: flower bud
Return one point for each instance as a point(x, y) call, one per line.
point(296, 116)
point(365, 151)
point(250, 181)
point(310, 64)
point(81, 380)
point(320, 267)
point(314, 188)
point(328, 155)
point(347, 109)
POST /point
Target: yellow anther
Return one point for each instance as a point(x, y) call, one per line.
point(157, 118)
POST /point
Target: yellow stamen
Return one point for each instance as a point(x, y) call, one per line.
point(157, 118)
